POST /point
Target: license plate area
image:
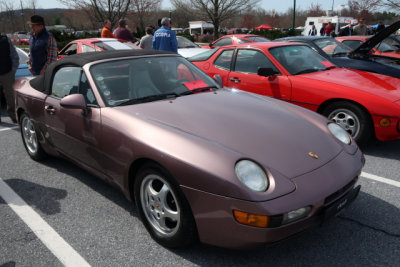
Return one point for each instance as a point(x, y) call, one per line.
point(336, 207)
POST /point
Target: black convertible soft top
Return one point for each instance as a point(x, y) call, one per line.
point(42, 83)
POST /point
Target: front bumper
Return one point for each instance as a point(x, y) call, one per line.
point(327, 190)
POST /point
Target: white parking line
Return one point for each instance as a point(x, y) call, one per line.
point(380, 179)
point(8, 128)
point(53, 241)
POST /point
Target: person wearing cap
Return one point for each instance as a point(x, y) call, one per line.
point(106, 31)
point(42, 46)
point(9, 64)
point(147, 41)
point(165, 38)
point(123, 33)
point(361, 28)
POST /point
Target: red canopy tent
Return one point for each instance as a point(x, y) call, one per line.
point(264, 27)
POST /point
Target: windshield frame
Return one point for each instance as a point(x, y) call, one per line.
point(156, 77)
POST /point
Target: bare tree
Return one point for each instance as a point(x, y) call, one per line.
point(143, 8)
point(394, 4)
point(363, 8)
point(8, 17)
point(102, 10)
point(315, 10)
point(32, 4)
point(218, 11)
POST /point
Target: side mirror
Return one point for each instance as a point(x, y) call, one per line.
point(218, 79)
point(210, 45)
point(75, 101)
point(266, 72)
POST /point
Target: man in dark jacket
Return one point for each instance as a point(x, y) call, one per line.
point(165, 38)
point(123, 33)
point(9, 64)
point(347, 31)
point(42, 46)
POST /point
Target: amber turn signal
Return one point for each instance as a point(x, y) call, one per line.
point(251, 219)
point(385, 122)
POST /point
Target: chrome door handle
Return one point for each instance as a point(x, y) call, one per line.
point(50, 110)
point(235, 80)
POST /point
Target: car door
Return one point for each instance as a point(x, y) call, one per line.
point(244, 75)
point(74, 133)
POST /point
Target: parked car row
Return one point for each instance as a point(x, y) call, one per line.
point(228, 144)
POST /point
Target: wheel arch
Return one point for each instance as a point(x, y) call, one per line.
point(328, 102)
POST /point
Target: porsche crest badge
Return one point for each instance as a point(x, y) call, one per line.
point(313, 155)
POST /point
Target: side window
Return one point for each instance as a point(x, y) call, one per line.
point(223, 41)
point(86, 48)
point(224, 60)
point(71, 50)
point(242, 41)
point(86, 90)
point(66, 81)
point(248, 61)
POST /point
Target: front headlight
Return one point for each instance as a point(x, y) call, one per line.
point(339, 133)
point(251, 175)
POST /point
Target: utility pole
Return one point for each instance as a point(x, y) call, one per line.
point(23, 16)
point(294, 14)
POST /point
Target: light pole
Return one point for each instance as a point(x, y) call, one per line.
point(170, 11)
point(294, 14)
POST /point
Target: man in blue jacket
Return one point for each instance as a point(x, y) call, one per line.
point(165, 38)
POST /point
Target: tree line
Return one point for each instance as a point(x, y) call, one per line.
point(223, 14)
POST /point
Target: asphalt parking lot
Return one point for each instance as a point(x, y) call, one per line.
point(66, 216)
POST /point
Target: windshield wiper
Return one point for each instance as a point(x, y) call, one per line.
point(149, 98)
point(330, 67)
point(306, 71)
point(340, 54)
point(201, 89)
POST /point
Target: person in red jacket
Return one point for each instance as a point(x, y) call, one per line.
point(106, 32)
point(328, 29)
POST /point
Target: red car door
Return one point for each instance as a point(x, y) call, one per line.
point(244, 75)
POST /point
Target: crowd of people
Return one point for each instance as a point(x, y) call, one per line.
point(351, 29)
point(161, 39)
point(43, 50)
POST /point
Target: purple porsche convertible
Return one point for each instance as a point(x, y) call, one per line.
point(201, 162)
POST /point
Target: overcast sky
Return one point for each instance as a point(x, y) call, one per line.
point(278, 5)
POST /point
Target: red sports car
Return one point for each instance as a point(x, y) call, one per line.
point(385, 48)
point(365, 104)
point(95, 44)
point(233, 39)
point(230, 168)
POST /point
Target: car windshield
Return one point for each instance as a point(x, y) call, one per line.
point(146, 79)
point(300, 59)
point(185, 43)
point(332, 47)
point(388, 45)
point(114, 45)
point(204, 55)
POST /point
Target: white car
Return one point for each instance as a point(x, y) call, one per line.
point(187, 48)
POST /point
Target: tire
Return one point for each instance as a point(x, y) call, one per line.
point(353, 119)
point(30, 138)
point(163, 208)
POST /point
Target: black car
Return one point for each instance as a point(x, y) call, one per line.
point(359, 59)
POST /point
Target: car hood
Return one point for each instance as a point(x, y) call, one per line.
point(275, 134)
point(189, 52)
point(379, 85)
point(376, 39)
